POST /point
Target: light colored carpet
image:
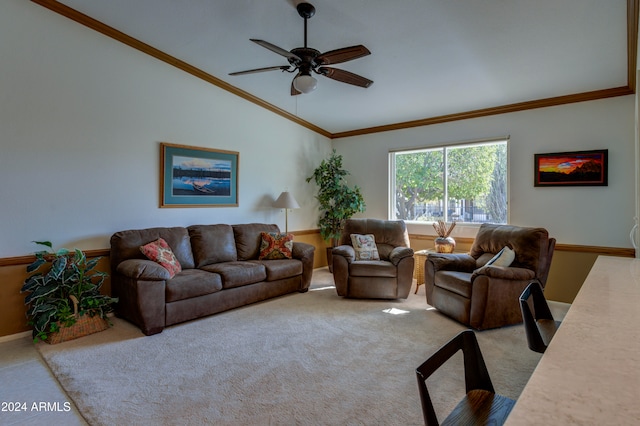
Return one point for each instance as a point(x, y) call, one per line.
point(302, 359)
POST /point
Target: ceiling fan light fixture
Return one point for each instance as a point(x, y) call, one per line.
point(305, 83)
point(305, 60)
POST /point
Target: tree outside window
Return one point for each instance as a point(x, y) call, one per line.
point(466, 183)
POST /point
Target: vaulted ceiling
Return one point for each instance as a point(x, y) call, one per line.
point(431, 60)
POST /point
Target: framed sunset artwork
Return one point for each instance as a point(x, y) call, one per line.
point(577, 168)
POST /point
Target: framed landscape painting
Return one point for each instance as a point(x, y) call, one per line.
point(577, 168)
point(198, 177)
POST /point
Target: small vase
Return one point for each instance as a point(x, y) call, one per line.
point(445, 244)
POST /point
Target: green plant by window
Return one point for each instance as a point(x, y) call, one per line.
point(338, 201)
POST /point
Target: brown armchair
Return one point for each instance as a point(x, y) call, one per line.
point(482, 296)
point(390, 277)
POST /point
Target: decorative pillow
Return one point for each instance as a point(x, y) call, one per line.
point(365, 247)
point(504, 257)
point(160, 252)
point(276, 245)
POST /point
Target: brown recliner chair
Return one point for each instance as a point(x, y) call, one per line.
point(390, 277)
point(482, 296)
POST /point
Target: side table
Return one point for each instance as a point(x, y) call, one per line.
point(420, 257)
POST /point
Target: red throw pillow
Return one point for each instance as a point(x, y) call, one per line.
point(275, 245)
point(160, 252)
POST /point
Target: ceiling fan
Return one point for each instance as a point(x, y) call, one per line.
point(304, 60)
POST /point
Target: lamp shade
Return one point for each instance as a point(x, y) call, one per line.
point(305, 83)
point(286, 201)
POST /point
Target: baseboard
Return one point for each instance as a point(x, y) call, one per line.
point(14, 336)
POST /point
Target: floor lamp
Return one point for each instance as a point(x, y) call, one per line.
point(286, 201)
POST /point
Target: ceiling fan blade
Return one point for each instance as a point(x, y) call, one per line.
point(342, 55)
point(345, 77)
point(281, 67)
point(278, 50)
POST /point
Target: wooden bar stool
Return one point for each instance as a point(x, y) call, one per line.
point(539, 324)
point(481, 405)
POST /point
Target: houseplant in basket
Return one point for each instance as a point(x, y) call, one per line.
point(338, 201)
point(64, 300)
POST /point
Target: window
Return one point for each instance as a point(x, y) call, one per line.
point(466, 183)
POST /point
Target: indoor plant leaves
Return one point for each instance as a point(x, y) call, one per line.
point(70, 278)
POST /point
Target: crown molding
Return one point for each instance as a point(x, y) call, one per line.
point(504, 109)
point(632, 45)
point(111, 32)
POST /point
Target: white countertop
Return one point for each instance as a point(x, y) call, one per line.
point(590, 373)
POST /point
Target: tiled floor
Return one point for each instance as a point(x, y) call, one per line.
point(29, 394)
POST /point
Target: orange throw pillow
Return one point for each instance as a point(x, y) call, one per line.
point(160, 252)
point(276, 245)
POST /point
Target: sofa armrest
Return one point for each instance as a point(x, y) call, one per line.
point(494, 300)
point(305, 253)
point(140, 301)
point(452, 262)
point(504, 273)
point(345, 251)
point(143, 269)
point(342, 257)
point(302, 250)
point(399, 253)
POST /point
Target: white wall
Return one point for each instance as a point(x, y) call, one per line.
point(82, 116)
point(598, 216)
point(81, 119)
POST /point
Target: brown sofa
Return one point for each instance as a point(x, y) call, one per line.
point(390, 277)
point(220, 271)
point(462, 287)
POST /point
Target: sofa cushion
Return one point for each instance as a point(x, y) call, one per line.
point(212, 244)
point(373, 268)
point(248, 238)
point(454, 281)
point(275, 245)
point(281, 268)
point(192, 283)
point(237, 274)
point(365, 247)
point(126, 244)
point(160, 252)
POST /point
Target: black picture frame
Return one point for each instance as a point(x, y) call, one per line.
point(574, 168)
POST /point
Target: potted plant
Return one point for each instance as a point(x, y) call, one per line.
point(338, 202)
point(64, 299)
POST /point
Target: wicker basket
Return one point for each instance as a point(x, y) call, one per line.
point(83, 326)
point(418, 268)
